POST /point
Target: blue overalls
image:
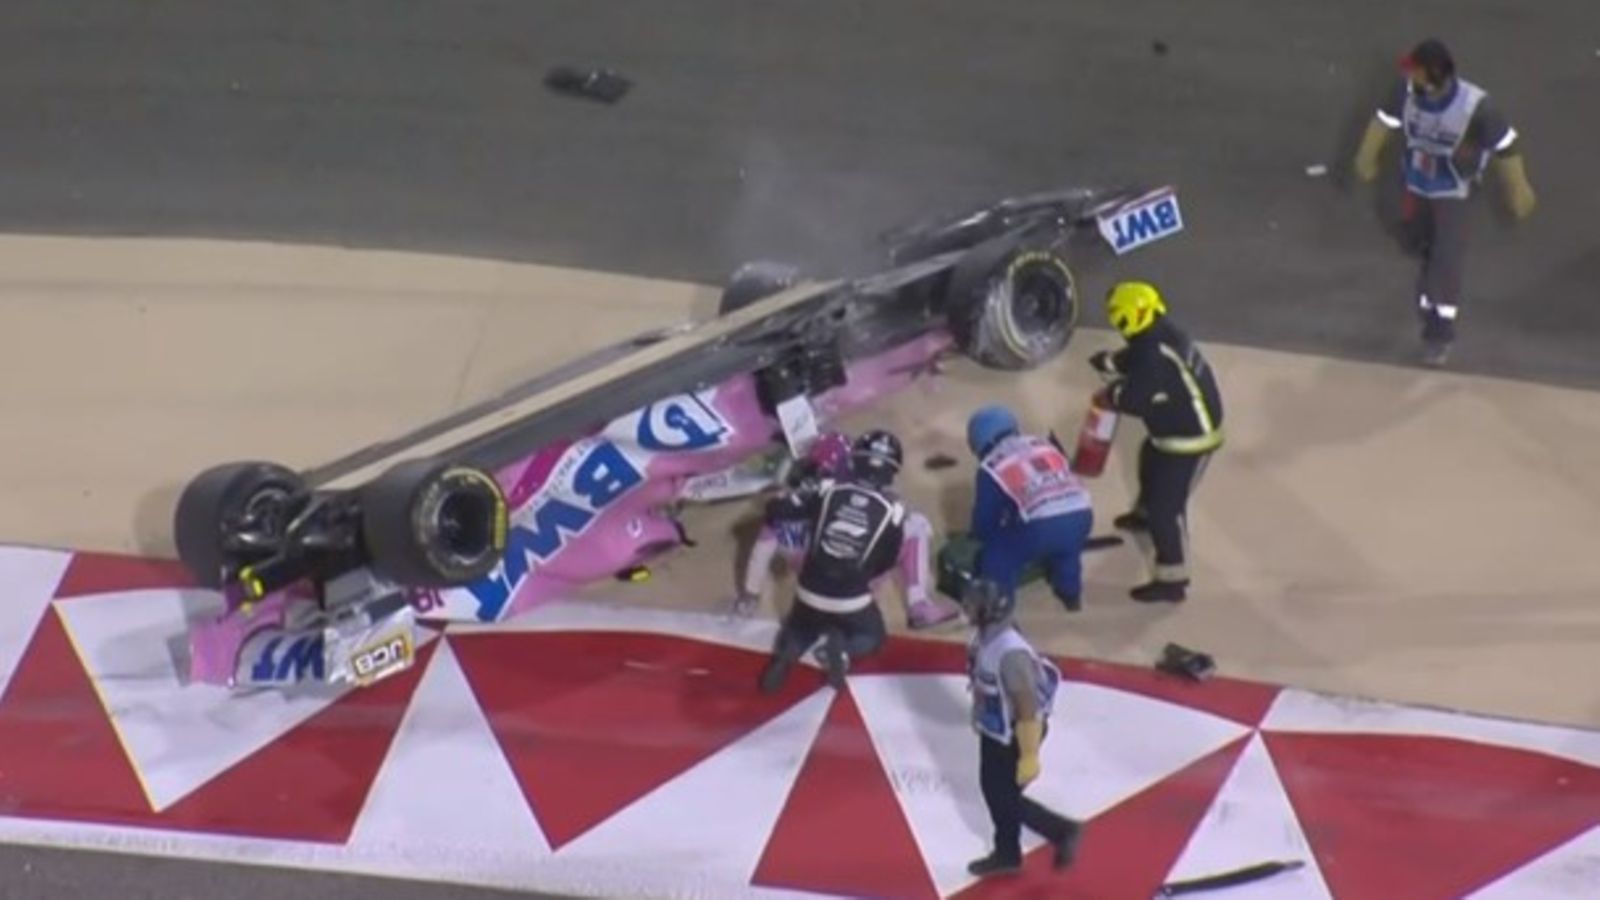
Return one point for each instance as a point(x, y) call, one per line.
point(1029, 507)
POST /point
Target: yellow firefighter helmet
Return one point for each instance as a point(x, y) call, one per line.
point(1133, 306)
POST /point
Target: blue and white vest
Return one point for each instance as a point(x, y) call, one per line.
point(1037, 477)
point(1434, 131)
point(991, 705)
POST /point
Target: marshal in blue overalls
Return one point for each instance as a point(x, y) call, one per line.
point(1028, 507)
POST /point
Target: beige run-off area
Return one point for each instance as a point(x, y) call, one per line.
point(1418, 536)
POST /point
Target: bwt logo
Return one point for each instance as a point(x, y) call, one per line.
point(1145, 223)
point(304, 652)
point(597, 473)
point(679, 424)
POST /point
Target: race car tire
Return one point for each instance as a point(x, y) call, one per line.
point(217, 499)
point(1014, 311)
point(754, 281)
point(430, 523)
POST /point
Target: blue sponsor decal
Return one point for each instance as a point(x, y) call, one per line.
point(1142, 223)
point(304, 652)
point(684, 423)
point(793, 535)
point(601, 477)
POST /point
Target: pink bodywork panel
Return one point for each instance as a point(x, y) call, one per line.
point(636, 465)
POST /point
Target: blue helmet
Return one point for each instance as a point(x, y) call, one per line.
point(988, 425)
point(986, 604)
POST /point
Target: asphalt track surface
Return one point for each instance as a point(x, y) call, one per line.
point(795, 130)
point(799, 130)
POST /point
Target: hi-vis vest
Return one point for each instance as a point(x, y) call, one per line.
point(1037, 477)
point(1432, 138)
point(1189, 364)
point(991, 706)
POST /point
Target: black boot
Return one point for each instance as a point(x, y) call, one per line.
point(1437, 335)
point(775, 674)
point(1067, 847)
point(1435, 353)
point(994, 864)
point(1132, 521)
point(1160, 592)
point(834, 660)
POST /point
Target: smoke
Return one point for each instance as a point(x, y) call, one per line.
point(823, 208)
point(787, 210)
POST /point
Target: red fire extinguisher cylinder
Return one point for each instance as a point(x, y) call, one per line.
point(1099, 431)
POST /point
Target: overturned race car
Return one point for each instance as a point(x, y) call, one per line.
point(581, 474)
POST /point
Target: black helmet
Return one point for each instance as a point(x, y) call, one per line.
point(1433, 59)
point(876, 456)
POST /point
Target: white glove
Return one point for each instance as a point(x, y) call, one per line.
point(1104, 366)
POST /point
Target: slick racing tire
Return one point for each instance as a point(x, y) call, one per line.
point(429, 523)
point(224, 502)
point(754, 281)
point(1015, 312)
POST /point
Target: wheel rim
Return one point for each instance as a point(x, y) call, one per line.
point(464, 525)
point(264, 518)
point(1038, 300)
point(1039, 308)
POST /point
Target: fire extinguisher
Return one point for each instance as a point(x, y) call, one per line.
point(1096, 436)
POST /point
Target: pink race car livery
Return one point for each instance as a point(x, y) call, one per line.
point(581, 475)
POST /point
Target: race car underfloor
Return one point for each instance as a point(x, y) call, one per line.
point(612, 751)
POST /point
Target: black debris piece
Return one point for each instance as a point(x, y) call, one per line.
point(601, 85)
point(1102, 541)
point(1229, 879)
point(940, 461)
point(1186, 663)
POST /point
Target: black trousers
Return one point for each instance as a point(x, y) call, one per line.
point(1165, 482)
point(862, 632)
point(1009, 808)
point(1438, 233)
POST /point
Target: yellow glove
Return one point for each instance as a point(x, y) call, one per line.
point(1029, 736)
point(1519, 194)
point(1366, 167)
point(1366, 162)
